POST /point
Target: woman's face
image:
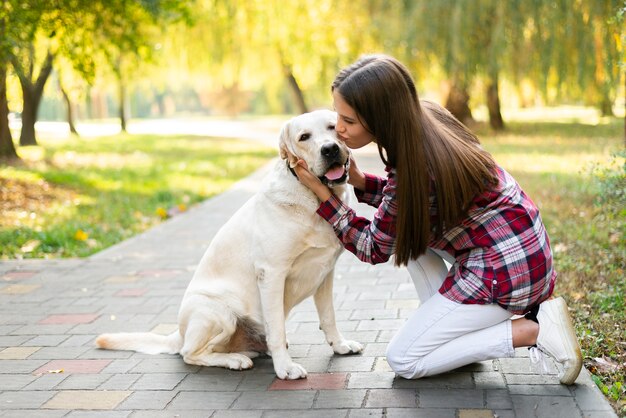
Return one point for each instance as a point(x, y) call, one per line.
point(349, 128)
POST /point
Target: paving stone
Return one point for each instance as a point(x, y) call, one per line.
point(48, 340)
point(19, 289)
point(453, 398)
point(456, 380)
point(381, 365)
point(304, 413)
point(24, 399)
point(277, 399)
point(498, 399)
point(150, 399)
point(52, 353)
point(119, 382)
point(340, 399)
point(371, 380)
point(14, 382)
point(158, 381)
point(312, 382)
point(207, 400)
point(17, 353)
point(589, 398)
point(86, 399)
point(369, 412)
point(489, 380)
point(256, 382)
point(182, 413)
point(99, 414)
point(69, 319)
point(545, 406)
point(46, 381)
point(83, 381)
point(19, 366)
point(531, 379)
point(356, 363)
point(210, 382)
point(164, 365)
point(391, 398)
point(237, 414)
point(552, 390)
point(420, 412)
point(375, 349)
point(121, 366)
point(34, 413)
point(476, 413)
point(73, 366)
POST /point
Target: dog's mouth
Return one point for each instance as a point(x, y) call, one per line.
point(336, 174)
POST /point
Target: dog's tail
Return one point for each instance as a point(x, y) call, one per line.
point(143, 342)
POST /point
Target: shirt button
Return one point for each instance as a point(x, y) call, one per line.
point(495, 281)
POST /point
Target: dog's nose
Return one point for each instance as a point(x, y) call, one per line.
point(330, 150)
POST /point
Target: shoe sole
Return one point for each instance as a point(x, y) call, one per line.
point(571, 342)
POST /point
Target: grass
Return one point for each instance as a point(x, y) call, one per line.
point(113, 187)
point(576, 174)
point(73, 197)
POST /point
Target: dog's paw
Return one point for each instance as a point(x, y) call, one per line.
point(347, 347)
point(291, 371)
point(236, 361)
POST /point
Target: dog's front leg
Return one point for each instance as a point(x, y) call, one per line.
point(324, 303)
point(272, 291)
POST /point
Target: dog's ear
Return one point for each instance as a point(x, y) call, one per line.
point(283, 145)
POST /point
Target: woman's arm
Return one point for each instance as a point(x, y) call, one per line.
point(371, 241)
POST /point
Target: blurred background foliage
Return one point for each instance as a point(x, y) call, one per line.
point(101, 59)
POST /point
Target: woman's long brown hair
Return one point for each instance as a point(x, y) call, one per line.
point(423, 142)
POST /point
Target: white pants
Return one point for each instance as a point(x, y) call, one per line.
point(442, 335)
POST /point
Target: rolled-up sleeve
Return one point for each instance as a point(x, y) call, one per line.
point(372, 241)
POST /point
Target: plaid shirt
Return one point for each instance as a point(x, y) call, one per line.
point(501, 249)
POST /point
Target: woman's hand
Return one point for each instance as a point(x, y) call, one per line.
point(355, 176)
point(311, 181)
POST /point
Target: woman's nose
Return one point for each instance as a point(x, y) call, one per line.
point(339, 128)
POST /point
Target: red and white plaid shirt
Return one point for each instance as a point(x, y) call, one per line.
point(501, 249)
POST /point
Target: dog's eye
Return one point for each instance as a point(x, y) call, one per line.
point(304, 137)
point(331, 127)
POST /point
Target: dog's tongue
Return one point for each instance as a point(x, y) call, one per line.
point(335, 173)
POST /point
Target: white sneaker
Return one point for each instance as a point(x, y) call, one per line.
point(557, 338)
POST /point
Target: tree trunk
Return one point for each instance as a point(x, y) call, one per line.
point(606, 107)
point(32, 93)
point(122, 104)
point(493, 104)
point(7, 149)
point(458, 103)
point(70, 112)
point(295, 89)
point(69, 107)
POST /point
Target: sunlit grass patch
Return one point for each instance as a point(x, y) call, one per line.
point(73, 197)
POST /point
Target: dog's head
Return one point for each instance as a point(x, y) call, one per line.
point(312, 137)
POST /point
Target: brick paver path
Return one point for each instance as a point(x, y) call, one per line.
point(52, 310)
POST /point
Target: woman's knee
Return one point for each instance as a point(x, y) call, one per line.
point(403, 366)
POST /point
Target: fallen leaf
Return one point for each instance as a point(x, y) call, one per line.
point(56, 371)
point(81, 235)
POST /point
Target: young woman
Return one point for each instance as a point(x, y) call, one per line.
point(444, 197)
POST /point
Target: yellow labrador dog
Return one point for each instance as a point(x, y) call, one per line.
point(273, 253)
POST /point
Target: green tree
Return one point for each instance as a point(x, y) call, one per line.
point(7, 149)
